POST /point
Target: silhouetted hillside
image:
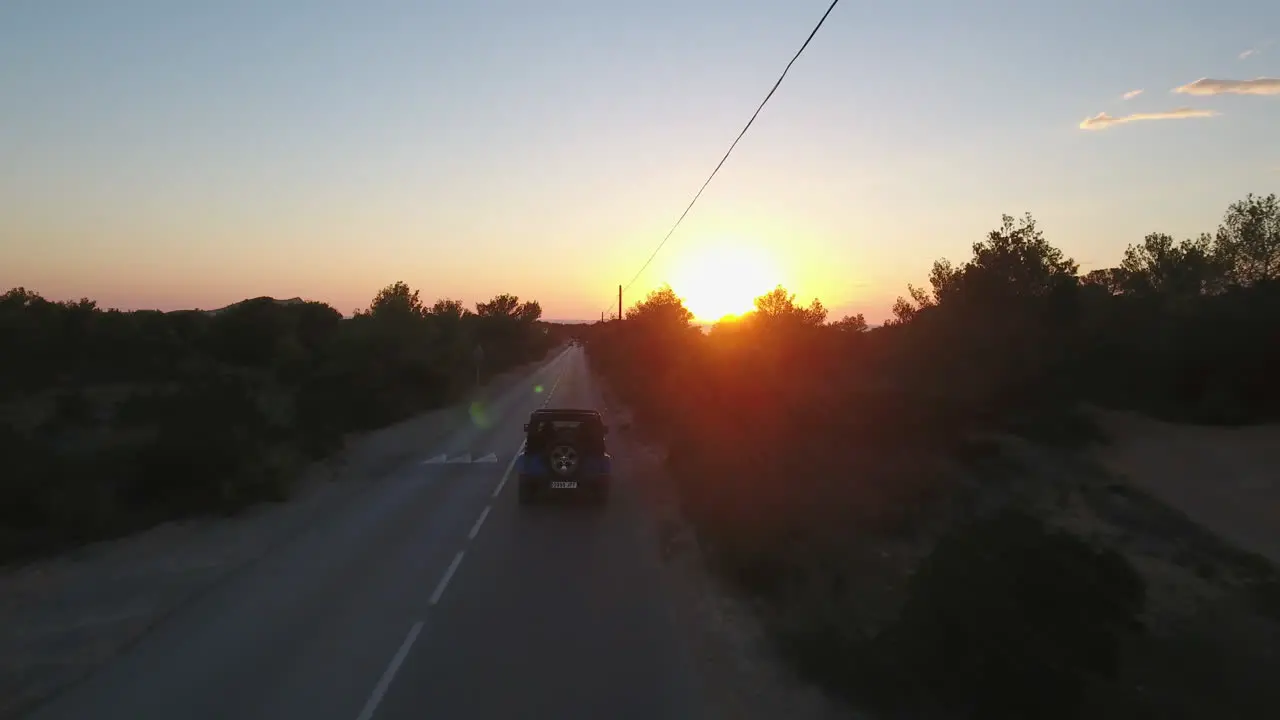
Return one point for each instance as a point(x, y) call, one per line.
point(290, 301)
point(111, 421)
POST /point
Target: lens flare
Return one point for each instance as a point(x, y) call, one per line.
point(479, 415)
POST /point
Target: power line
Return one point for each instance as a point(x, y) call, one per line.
point(732, 146)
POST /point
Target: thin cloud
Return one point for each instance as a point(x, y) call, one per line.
point(1256, 49)
point(1102, 121)
point(1132, 94)
point(1209, 86)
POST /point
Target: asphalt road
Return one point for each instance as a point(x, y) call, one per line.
point(434, 595)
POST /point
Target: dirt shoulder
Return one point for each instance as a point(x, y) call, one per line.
point(65, 616)
point(739, 670)
point(1225, 478)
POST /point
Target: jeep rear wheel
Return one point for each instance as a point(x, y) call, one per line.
point(564, 459)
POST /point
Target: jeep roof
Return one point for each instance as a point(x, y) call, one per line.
point(589, 418)
point(565, 414)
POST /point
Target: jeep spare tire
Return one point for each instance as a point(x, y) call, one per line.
point(563, 456)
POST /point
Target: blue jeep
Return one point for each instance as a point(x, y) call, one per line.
point(564, 453)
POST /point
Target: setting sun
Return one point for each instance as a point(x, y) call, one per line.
point(723, 279)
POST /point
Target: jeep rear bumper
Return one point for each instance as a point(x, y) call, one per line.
point(534, 466)
point(556, 485)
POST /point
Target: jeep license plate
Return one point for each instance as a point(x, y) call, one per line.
point(557, 484)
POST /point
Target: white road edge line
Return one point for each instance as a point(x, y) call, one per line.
point(448, 575)
point(479, 521)
point(507, 473)
point(385, 682)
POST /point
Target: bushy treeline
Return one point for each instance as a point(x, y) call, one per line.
point(110, 420)
point(1183, 329)
point(813, 457)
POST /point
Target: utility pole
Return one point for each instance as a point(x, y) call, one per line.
point(619, 302)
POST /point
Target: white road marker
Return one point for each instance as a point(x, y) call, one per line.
point(479, 521)
point(552, 391)
point(448, 575)
point(435, 460)
point(503, 482)
point(385, 682)
point(490, 458)
point(461, 459)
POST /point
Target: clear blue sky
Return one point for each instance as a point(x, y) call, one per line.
point(169, 154)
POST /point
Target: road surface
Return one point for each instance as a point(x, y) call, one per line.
point(434, 595)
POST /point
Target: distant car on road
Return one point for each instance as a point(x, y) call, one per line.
point(564, 453)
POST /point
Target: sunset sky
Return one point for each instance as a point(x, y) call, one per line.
point(169, 154)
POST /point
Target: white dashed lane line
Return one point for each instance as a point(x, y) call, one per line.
point(479, 521)
point(387, 676)
point(552, 391)
point(475, 529)
point(448, 575)
point(385, 682)
point(507, 473)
